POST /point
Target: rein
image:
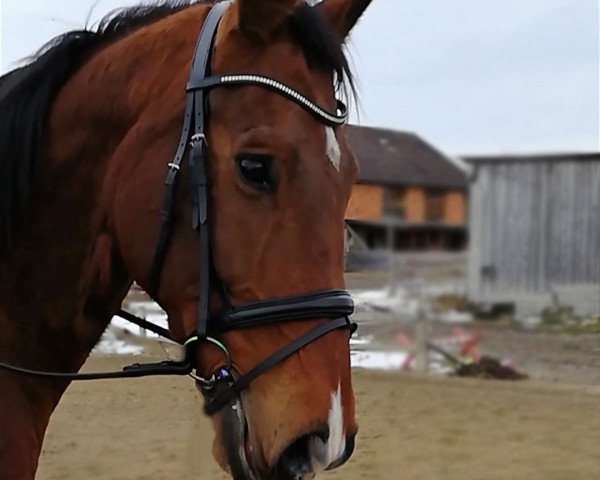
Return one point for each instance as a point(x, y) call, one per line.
point(335, 306)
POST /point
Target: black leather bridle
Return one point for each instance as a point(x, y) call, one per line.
point(334, 306)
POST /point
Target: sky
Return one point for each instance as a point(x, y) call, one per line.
point(469, 76)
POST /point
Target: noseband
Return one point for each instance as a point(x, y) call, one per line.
point(334, 306)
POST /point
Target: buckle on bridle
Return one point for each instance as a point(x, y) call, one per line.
point(223, 373)
point(198, 137)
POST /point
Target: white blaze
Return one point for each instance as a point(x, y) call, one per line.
point(332, 148)
point(337, 439)
point(324, 454)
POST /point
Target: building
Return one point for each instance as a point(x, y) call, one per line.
point(535, 232)
point(408, 194)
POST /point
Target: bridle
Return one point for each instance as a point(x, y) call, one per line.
point(333, 305)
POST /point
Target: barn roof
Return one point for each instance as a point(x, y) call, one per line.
point(397, 158)
point(535, 157)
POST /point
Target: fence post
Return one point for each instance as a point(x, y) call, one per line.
point(421, 332)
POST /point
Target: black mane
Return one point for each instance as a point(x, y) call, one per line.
point(26, 94)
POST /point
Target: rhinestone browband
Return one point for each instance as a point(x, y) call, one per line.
point(266, 82)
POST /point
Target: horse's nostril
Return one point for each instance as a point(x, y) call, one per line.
point(295, 462)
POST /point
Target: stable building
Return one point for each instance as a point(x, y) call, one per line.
point(409, 195)
point(535, 232)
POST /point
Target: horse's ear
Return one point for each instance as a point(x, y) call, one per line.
point(263, 16)
point(343, 14)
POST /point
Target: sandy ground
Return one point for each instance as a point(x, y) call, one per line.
point(411, 427)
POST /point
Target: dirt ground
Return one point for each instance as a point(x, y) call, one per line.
point(558, 358)
point(411, 427)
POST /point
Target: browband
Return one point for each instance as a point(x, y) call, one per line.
point(330, 119)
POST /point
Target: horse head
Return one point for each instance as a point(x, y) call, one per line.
point(279, 184)
point(105, 119)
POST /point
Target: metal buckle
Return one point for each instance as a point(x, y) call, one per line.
point(173, 166)
point(222, 373)
point(197, 137)
point(206, 383)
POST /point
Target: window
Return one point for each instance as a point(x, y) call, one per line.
point(434, 205)
point(395, 203)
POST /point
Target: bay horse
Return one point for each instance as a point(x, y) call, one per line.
point(87, 129)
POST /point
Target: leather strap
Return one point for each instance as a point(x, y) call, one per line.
point(145, 324)
point(167, 215)
point(224, 397)
point(327, 304)
point(199, 64)
point(199, 187)
point(167, 367)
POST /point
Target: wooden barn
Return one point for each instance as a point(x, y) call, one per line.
point(535, 232)
point(408, 194)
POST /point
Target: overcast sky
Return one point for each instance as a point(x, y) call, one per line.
point(470, 76)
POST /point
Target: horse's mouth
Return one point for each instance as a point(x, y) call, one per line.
point(237, 443)
point(236, 439)
point(243, 461)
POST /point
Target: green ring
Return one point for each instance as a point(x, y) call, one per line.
point(190, 340)
point(221, 346)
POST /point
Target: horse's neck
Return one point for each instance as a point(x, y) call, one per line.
point(60, 283)
point(65, 277)
point(47, 279)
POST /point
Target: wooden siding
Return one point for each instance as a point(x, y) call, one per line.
point(366, 203)
point(411, 205)
point(534, 227)
point(455, 212)
point(415, 202)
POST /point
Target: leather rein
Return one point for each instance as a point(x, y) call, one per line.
point(333, 305)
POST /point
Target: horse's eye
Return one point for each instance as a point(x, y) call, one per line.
point(257, 171)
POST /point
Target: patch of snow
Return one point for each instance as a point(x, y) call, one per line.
point(399, 302)
point(357, 340)
point(371, 360)
point(454, 317)
point(109, 344)
point(407, 300)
